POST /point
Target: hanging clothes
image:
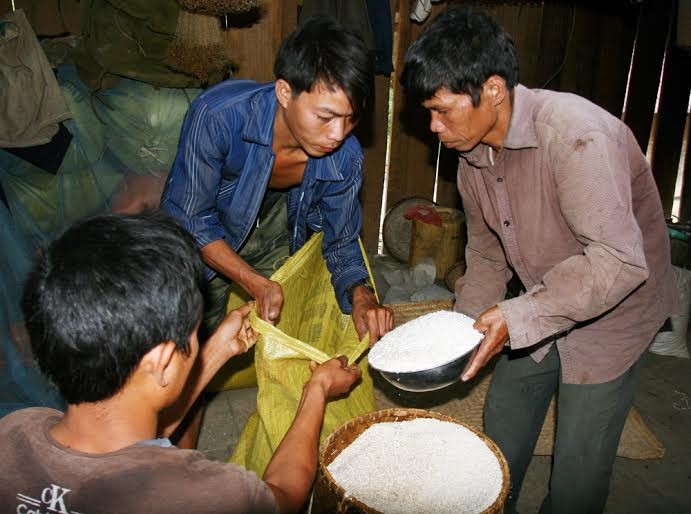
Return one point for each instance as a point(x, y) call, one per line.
point(370, 19)
point(379, 12)
point(129, 38)
point(351, 13)
point(31, 104)
point(48, 157)
point(421, 10)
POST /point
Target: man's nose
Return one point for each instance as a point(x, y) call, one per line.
point(435, 125)
point(338, 129)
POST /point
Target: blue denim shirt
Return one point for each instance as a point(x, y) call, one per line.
point(222, 171)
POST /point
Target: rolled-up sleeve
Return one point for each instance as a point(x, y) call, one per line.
point(594, 191)
point(194, 181)
point(342, 216)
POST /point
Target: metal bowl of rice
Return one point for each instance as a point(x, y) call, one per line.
point(427, 353)
point(429, 379)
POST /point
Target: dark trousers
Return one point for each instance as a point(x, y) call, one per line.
point(266, 250)
point(590, 419)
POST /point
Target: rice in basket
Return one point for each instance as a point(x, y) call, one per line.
point(419, 465)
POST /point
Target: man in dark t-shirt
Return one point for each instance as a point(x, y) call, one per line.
point(112, 308)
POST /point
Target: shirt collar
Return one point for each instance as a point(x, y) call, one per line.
point(260, 126)
point(521, 133)
point(328, 170)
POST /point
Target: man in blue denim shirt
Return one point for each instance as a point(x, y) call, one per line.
point(243, 143)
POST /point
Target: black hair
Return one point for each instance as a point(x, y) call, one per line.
point(105, 293)
point(321, 50)
point(459, 50)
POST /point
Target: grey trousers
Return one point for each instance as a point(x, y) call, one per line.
point(266, 249)
point(590, 419)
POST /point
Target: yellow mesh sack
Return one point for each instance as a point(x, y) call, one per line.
point(311, 327)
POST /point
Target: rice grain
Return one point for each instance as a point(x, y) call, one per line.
point(425, 342)
point(419, 465)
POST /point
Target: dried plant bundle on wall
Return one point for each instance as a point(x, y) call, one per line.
point(219, 7)
point(198, 45)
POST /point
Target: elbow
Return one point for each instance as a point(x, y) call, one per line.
point(629, 278)
point(288, 501)
point(639, 272)
point(643, 273)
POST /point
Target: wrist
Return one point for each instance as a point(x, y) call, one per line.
point(316, 385)
point(253, 282)
point(364, 283)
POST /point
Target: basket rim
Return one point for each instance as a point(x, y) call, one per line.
point(405, 412)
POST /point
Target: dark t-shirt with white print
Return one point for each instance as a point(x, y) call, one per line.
point(40, 475)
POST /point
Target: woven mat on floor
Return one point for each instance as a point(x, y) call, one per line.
point(465, 401)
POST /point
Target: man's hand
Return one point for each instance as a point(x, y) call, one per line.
point(233, 336)
point(290, 472)
point(235, 331)
point(335, 376)
point(269, 297)
point(370, 316)
point(493, 325)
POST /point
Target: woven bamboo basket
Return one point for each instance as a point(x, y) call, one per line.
point(404, 312)
point(329, 497)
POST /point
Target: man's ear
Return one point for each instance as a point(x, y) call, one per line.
point(283, 92)
point(158, 362)
point(494, 90)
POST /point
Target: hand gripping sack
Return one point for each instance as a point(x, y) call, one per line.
point(311, 327)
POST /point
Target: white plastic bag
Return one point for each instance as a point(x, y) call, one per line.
point(673, 343)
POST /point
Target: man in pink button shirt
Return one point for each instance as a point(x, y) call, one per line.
point(557, 194)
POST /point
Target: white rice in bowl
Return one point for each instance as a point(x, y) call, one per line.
point(425, 342)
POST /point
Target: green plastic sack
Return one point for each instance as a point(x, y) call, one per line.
point(142, 123)
point(129, 38)
point(124, 141)
point(282, 355)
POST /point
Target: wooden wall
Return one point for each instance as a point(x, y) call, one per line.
point(580, 46)
point(672, 110)
point(5, 6)
point(583, 48)
point(252, 43)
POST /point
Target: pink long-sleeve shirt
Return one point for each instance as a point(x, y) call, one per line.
point(570, 205)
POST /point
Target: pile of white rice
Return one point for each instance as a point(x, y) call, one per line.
point(425, 342)
point(419, 465)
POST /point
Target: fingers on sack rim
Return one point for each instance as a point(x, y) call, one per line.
point(266, 315)
point(245, 309)
point(249, 339)
point(272, 315)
